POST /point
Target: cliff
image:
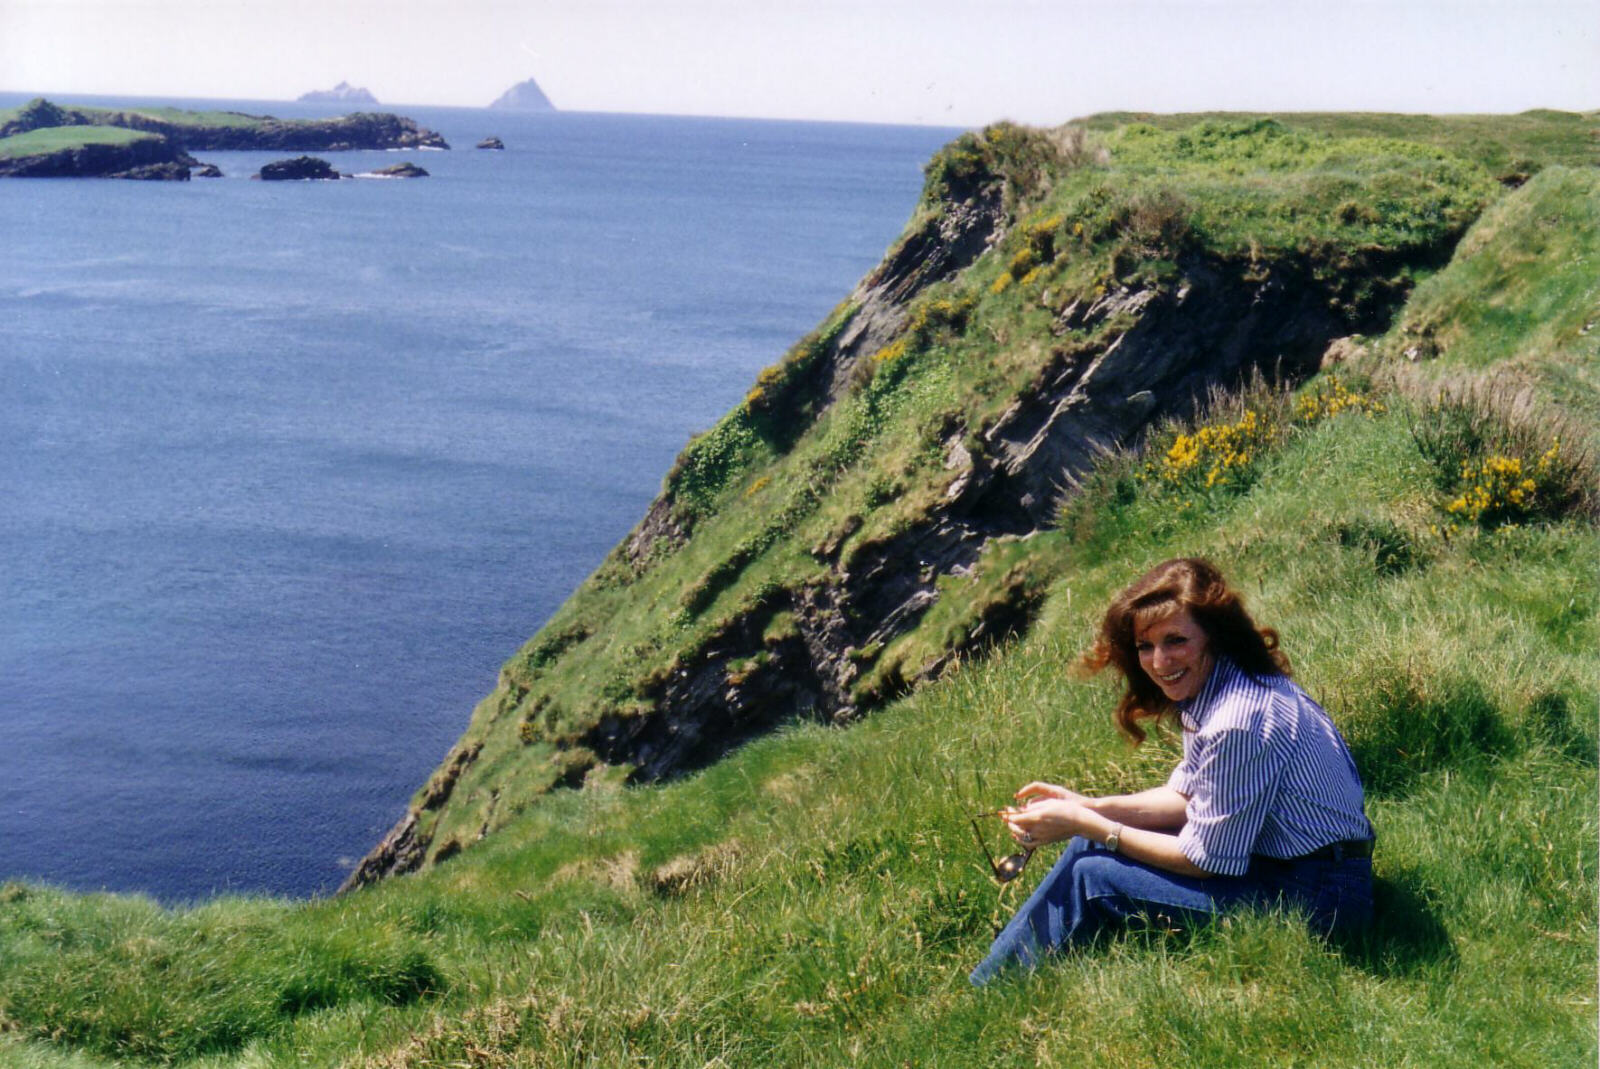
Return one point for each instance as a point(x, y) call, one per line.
point(524, 96)
point(851, 529)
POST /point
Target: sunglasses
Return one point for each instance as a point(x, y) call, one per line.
point(1007, 868)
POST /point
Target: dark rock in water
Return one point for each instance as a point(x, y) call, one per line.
point(157, 172)
point(297, 169)
point(524, 96)
point(401, 170)
point(210, 170)
point(491, 142)
point(343, 93)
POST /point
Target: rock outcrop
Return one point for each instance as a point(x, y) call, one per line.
point(524, 96)
point(301, 168)
point(399, 170)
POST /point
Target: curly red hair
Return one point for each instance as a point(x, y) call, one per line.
point(1185, 583)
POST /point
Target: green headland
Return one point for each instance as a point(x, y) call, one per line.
point(44, 140)
point(715, 811)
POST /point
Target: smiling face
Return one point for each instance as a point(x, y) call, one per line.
point(1175, 653)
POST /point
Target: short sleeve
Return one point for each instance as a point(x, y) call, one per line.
point(1234, 775)
point(1179, 780)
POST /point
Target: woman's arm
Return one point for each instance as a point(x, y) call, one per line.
point(1052, 820)
point(1157, 809)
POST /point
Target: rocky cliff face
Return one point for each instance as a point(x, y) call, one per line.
point(1108, 316)
point(1175, 342)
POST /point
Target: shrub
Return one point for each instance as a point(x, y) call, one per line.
point(1018, 156)
point(1331, 397)
point(1498, 464)
point(1215, 454)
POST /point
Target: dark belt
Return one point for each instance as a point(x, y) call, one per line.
point(1350, 848)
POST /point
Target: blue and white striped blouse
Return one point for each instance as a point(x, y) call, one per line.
point(1265, 771)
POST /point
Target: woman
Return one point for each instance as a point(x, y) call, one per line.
point(1265, 806)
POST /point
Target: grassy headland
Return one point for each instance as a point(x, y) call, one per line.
point(56, 139)
point(1418, 521)
point(51, 141)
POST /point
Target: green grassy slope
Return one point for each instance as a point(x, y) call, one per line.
point(815, 898)
point(58, 138)
point(1508, 145)
point(1522, 300)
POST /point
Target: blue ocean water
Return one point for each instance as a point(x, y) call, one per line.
point(288, 470)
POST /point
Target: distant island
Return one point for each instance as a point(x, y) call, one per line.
point(524, 96)
point(45, 140)
point(343, 93)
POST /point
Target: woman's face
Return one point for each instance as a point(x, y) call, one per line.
point(1175, 653)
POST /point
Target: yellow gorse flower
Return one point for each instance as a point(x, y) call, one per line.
point(1332, 398)
point(1502, 489)
point(1219, 450)
point(891, 352)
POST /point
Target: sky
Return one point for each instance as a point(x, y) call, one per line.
point(899, 61)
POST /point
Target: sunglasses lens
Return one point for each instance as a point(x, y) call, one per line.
point(1011, 867)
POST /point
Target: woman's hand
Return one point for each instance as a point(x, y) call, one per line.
point(1046, 820)
point(1048, 790)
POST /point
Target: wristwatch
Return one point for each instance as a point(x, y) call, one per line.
point(1114, 840)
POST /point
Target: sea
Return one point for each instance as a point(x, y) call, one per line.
point(288, 470)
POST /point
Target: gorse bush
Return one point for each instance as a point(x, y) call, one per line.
point(1497, 465)
point(1330, 397)
point(1212, 455)
point(1500, 490)
point(1225, 454)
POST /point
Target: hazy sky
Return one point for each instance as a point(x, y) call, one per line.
point(918, 61)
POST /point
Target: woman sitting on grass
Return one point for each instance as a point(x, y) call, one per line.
point(1264, 807)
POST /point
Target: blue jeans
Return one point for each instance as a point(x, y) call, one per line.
point(1091, 890)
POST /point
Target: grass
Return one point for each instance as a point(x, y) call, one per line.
point(815, 897)
point(62, 138)
point(180, 116)
point(1521, 298)
point(1510, 146)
